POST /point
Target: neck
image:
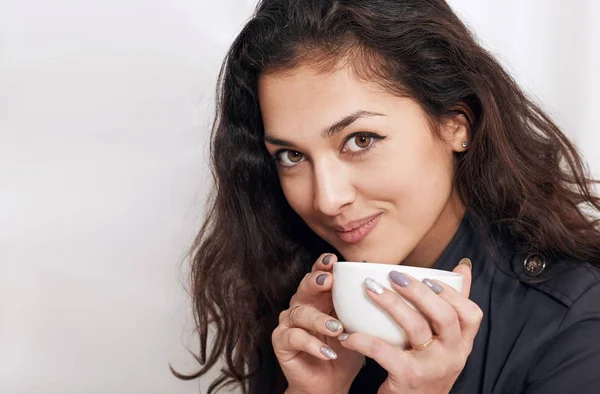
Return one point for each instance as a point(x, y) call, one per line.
point(431, 247)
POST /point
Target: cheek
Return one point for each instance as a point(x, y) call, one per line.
point(298, 193)
point(412, 180)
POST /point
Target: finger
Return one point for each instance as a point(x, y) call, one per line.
point(389, 357)
point(464, 268)
point(312, 287)
point(324, 262)
point(469, 314)
point(306, 292)
point(413, 323)
point(287, 342)
point(310, 318)
point(443, 317)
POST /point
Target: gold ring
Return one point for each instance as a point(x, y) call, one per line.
point(292, 324)
point(423, 346)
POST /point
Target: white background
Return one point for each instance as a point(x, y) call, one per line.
point(105, 108)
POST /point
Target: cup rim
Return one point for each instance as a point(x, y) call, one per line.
point(428, 272)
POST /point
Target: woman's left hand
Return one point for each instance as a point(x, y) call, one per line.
point(454, 320)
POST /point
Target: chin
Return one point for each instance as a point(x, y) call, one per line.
point(372, 255)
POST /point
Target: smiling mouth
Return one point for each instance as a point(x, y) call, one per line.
point(358, 233)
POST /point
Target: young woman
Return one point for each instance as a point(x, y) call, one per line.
point(380, 131)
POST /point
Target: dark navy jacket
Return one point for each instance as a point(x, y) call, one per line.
point(541, 328)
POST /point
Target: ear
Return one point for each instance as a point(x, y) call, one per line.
point(457, 128)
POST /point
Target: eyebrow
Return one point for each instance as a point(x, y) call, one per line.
point(331, 130)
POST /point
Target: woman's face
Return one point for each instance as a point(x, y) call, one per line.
point(362, 167)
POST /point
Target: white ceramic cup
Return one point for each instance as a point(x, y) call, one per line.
point(358, 313)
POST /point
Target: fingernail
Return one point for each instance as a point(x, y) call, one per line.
point(328, 352)
point(321, 279)
point(327, 259)
point(343, 336)
point(333, 325)
point(466, 261)
point(399, 278)
point(437, 289)
point(373, 286)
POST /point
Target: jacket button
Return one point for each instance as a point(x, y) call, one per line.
point(534, 264)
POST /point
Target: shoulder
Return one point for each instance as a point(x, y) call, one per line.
point(561, 324)
point(567, 359)
point(564, 281)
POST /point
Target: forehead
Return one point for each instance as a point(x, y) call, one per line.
point(314, 98)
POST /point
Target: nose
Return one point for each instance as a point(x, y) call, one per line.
point(333, 187)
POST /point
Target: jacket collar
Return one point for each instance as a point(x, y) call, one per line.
point(468, 242)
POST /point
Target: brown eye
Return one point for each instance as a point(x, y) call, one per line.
point(289, 158)
point(363, 141)
point(294, 157)
point(359, 142)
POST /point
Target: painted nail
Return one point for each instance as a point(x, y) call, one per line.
point(328, 352)
point(399, 278)
point(437, 289)
point(466, 261)
point(327, 259)
point(333, 325)
point(373, 286)
point(343, 336)
point(321, 279)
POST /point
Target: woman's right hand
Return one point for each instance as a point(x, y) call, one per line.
point(307, 348)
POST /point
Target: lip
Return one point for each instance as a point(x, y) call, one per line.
point(355, 231)
point(354, 224)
